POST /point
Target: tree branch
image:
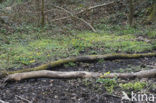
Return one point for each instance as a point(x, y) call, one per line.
point(84, 10)
point(80, 59)
point(74, 16)
point(79, 74)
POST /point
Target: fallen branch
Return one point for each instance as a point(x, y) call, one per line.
point(84, 21)
point(84, 10)
point(78, 74)
point(80, 59)
point(76, 17)
point(80, 12)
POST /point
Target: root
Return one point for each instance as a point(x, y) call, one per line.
point(78, 74)
point(79, 59)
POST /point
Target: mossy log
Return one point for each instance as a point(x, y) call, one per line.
point(78, 74)
point(80, 59)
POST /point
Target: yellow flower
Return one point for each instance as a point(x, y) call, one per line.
point(107, 73)
point(32, 61)
point(102, 76)
point(48, 55)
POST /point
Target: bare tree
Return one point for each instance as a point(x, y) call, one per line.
point(38, 9)
point(1, 1)
point(42, 13)
point(131, 12)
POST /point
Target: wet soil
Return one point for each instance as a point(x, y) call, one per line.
point(45, 90)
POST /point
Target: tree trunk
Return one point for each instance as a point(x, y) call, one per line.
point(131, 12)
point(1, 1)
point(38, 9)
point(42, 14)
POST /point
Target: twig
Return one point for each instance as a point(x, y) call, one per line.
point(1, 101)
point(3, 82)
point(24, 99)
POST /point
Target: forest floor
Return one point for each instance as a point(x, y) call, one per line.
point(83, 90)
point(30, 46)
point(36, 48)
point(26, 46)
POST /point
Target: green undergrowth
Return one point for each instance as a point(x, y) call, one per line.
point(147, 31)
point(109, 84)
point(18, 50)
point(114, 43)
point(114, 85)
point(132, 68)
point(135, 86)
point(152, 34)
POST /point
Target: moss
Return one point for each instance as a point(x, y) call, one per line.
point(152, 16)
point(83, 59)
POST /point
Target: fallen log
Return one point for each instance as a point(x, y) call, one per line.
point(80, 59)
point(78, 74)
